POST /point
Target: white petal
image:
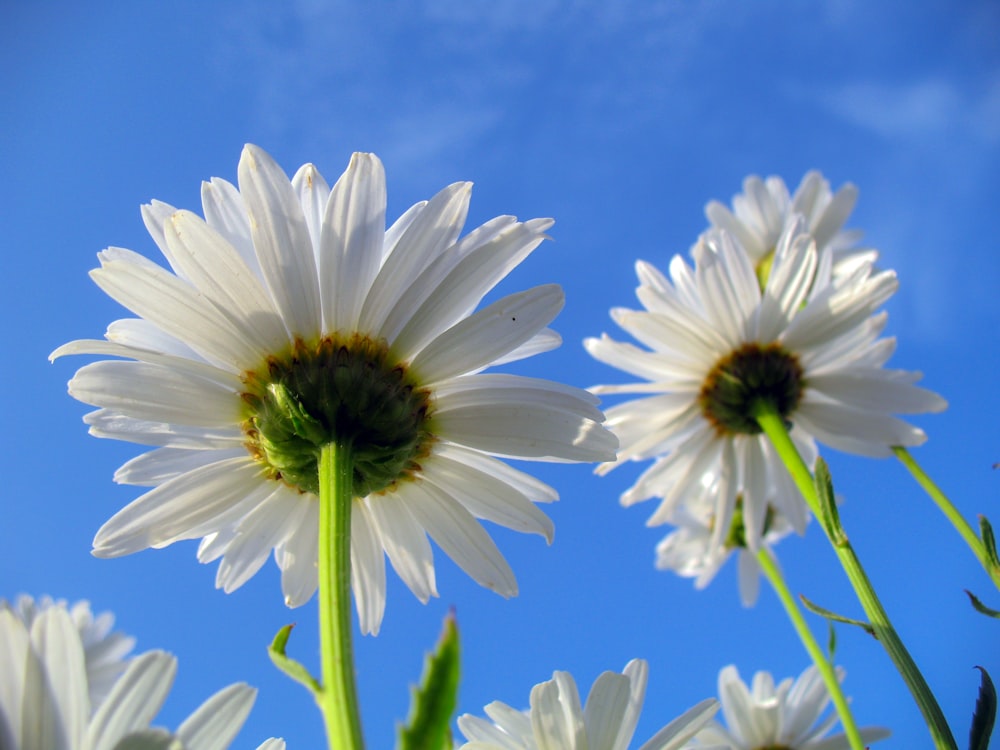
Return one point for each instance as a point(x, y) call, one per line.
point(161, 464)
point(487, 497)
point(15, 651)
point(134, 700)
point(313, 192)
point(466, 284)
point(257, 534)
point(156, 393)
point(489, 334)
point(405, 542)
point(414, 243)
point(218, 720)
point(107, 423)
point(56, 705)
point(226, 213)
point(217, 271)
point(179, 508)
point(606, 705)
point(178, 310)
point(298, 558)
point(877, 390)
point(461, 537)
point(535, 490)
point(351, 241)
point(367, 569)
point(684, 727)
point(544, 341)
point(556, 714)
point(281, 239)
point(855, 430)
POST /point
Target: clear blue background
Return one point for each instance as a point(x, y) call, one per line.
point(619, 119)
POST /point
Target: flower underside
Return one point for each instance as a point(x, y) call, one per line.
point(737, 535)
point(752, 375)
point(336, 390)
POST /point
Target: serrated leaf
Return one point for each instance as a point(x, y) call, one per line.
point(984, 715)
point(834, 617)
point(989, 541)
point(980, 607)
point(289, 666)
point(428, 726)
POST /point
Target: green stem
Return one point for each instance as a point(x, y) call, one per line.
point(950, 511)
point(338, 698)
point(826, 669)
point(774, 427)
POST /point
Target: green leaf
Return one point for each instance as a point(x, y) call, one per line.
point(980, 607)
point(289, 666)
point(989, 541)
point(984, 715)
point(831, 645)
point(834, 617)
point(434, 701)
point(828, 503)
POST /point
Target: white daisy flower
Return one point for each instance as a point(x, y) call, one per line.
point(105, 652)
point(763, 717)
point(556, 718)
point(807, 345)
point(690, 553)
point(45, 701)
point(762, 210)
point(291, 298)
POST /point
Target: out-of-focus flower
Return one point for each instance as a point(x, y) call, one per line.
point(105, 652)
point(293, 318)
point(787, 716)
point(761, 212)
point(45, 697)
point(806, 345)
point(557, 719)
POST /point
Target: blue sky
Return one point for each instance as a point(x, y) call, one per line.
point(620, 120)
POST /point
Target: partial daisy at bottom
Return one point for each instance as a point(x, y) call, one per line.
point(557, 719)
point(105, 651)
point(45, 699)
point(765, 716)
point(716, 346)
point(291, 317)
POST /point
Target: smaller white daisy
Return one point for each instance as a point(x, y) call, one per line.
point(689, 552)
point(557, 719)
point(762, 210)
point(45, 701)
point(105, 651)
point(806, 346)
point(786, 716)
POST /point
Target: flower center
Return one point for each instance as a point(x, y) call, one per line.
point(763, 269)
point(745, 378)
point(343, 390)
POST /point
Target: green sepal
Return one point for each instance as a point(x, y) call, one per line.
point(834, 617)
point(428, 726)
point(989, 542)
point(289, 666)
point(984, 715)
point(980, 607)
point(828, 503)
point(304, 425)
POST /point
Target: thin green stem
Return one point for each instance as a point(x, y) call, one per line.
point(338, 698)
point(774, 427)
point(826, 669)
point(950, 511)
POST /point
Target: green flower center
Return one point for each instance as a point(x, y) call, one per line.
point(763, 269)
point(745, 378)
point(345, 390)
point(737, 536)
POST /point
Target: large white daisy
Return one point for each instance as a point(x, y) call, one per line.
point(291, 297)
point(765, 716)
point(759, 215)
point(557, 719)
point(105, 651)
point(45, 697)
point(807, 345)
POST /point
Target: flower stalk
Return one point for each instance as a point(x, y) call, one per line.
point(962, 526)
point(337, 699)
point(825, 667)
point(773, 426)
